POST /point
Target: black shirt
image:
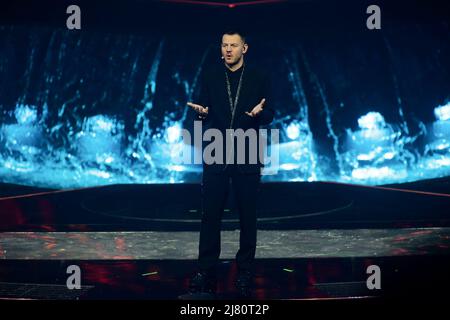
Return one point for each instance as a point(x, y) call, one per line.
point(214, 94)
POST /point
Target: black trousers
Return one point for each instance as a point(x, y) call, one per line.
point(215, 188)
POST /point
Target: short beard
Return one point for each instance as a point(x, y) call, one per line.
point(234, 63)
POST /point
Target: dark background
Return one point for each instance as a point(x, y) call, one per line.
point(343, 69)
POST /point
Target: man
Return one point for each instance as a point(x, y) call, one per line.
point(233, 96)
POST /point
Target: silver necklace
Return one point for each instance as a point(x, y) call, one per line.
point(236, 99)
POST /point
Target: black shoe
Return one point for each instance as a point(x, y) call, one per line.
point(244, 283)
point(203, 282)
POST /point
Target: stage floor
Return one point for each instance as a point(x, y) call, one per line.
point(292, 264)
point(316, 241)
point(183, 245)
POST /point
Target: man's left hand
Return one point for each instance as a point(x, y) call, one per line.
point(257, 109)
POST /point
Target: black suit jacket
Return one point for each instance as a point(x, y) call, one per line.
point(214, 95)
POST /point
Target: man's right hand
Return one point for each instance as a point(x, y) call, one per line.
point(203, 112)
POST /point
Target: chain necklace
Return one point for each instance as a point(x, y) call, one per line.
point(233, 105)
point(236, 99)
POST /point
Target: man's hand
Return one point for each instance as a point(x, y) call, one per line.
point(203, 112)
point(257, 109)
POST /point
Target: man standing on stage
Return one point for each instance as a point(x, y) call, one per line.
point(233, 95)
